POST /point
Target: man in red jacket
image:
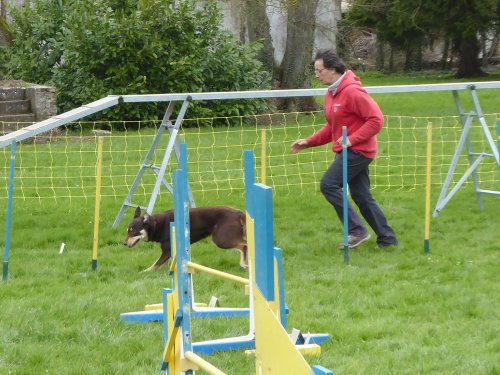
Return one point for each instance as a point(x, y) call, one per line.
point(348, 104)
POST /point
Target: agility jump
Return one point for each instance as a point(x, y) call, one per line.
point(155, 312)
point(274, 349)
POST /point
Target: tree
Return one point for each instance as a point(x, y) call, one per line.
point(396, 23)
point(295, 70)
point(466, 20)
point(5, 33)
point(3, 11)
point(408, 24)
point(259, 30)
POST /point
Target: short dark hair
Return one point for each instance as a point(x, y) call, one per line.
point(330, 60)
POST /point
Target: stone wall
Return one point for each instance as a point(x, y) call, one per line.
point(22, 104)
point(43, 101)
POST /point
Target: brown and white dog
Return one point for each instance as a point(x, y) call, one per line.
point(225, 224)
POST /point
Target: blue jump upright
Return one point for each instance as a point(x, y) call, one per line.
point(276, 351)
point(5, 272)
point(345, 188)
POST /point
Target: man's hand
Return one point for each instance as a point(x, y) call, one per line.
point(298, 145)
point(348, 142)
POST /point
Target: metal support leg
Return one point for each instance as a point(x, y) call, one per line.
point(166, 158)
point(484, 126)
point(474, 157)
point(470, 154)
point(443, 196)
point(158, 171)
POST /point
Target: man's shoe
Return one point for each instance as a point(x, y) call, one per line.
point(354, 241)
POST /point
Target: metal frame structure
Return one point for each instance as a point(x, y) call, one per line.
point(475, 158)
point(173, 145)
point(112, 100)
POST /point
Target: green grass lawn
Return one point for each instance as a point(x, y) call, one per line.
point(392, 311)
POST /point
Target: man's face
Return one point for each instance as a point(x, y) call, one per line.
point(324, 75)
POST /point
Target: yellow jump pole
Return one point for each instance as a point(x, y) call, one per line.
point(224, 275)
point(263, 163)
point(97, 203)
point(200, 362)
point(428, 190)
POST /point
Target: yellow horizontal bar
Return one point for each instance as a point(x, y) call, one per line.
point(154, 306)
point(309, 349)
point(195, 266)
point(200, 362)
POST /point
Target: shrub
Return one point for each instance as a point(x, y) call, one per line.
point(89, 49)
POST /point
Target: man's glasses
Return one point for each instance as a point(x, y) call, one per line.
point(319, 71)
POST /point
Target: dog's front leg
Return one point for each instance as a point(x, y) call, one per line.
point(151, 268)
point(162, 260)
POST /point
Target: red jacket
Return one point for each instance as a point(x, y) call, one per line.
point(350, 106)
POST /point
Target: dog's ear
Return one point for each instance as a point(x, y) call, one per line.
point(147, 218)
point(137, 212)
